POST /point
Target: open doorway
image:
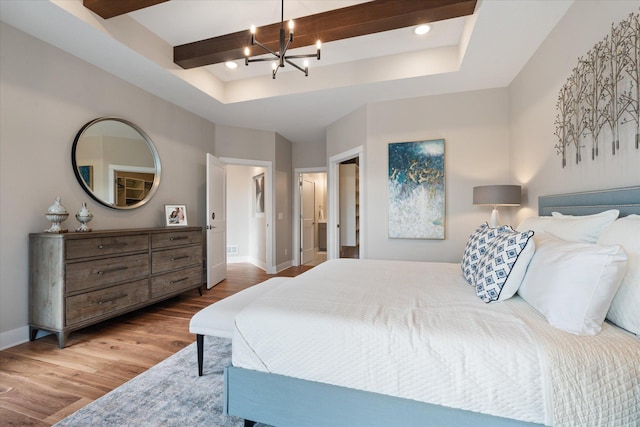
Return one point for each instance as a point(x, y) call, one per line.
point(349, 187)
point(248, 198)
point(345, 192)
point(310, 229)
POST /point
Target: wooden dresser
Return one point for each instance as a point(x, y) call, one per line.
point(78, 279)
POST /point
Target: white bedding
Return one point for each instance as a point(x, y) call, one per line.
point(417, 330)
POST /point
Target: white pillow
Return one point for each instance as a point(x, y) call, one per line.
point(537, 224)
point(572, 284)
point(476, 247)
point(625, 308)
point(585, 228)
point(501, 269)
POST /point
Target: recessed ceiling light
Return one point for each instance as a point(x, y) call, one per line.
point(422, 29)
point(231, 65)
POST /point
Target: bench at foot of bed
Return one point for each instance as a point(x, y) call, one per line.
point(217, 320)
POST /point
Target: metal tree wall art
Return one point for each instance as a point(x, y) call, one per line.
point(601, 95)
point(563, 121)
point(631, 97)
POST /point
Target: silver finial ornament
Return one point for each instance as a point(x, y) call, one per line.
point(83, 216)
point(56, 214)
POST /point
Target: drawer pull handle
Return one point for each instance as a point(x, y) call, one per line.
point(112, 270)
point(179, 258)
point(178, 238)
point(113, 245)
point(104, 301)
point(179, 280)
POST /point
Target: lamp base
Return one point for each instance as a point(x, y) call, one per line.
point(494, 221)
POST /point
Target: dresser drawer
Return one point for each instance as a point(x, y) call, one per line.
point(116, 245)
point(177, 281)
point(91, 274)
point(85, 306)
point(176, 238)
point(170, 259)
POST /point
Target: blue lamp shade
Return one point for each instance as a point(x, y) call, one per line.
point(497, 195)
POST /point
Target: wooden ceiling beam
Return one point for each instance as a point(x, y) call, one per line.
point(353, 21)
point(110, 8)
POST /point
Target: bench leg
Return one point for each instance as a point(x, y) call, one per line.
point(200, 345)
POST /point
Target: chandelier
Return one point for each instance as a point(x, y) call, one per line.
point(281, 56)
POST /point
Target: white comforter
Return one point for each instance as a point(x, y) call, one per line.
point(418, 331)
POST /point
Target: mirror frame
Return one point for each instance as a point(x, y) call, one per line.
point(150, 145)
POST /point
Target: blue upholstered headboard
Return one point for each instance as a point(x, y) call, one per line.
point(625, 199)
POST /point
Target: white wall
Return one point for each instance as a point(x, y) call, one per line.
point(533, 96)
point(47, 96)
point(309, 155)
point(347, 133)
point(245, 228)
point(474, 126)
point(241, 143)
point(491, 136)
point(239, 203)
point(250, 144)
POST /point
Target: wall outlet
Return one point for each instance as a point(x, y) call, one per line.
point(285, 252)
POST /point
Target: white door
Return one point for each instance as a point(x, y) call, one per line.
point(216, 221)
point(307, 244)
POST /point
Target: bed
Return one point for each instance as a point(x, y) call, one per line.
point(425, 350)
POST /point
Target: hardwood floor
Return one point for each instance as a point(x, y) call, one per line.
point(41, 384)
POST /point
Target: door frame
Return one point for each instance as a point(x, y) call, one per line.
point(269, 202)
point(297, 174)
point(333, 198)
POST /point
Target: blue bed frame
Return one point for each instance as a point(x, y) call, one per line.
point(291, 402)
point(625, 199)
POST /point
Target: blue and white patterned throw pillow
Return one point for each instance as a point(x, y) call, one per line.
point(501, 270)
point(476, 248)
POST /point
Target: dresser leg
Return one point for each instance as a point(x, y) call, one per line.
point(200, 290)
point(62, 339)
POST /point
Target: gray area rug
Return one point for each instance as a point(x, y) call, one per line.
point(168, 394)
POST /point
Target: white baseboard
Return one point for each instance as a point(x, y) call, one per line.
point(14, 337)
point(283, 266)
point(238, 259)
point(249, 259)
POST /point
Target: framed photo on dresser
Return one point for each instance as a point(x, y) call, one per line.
point(175, 215)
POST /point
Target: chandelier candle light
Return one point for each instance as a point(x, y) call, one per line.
point(281, 55)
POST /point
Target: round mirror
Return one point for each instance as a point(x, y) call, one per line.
point(116, 163)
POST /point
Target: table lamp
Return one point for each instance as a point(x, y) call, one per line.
point(497, 195)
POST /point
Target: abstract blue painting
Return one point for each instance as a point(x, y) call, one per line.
point(86, 172)
point(416, 190)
